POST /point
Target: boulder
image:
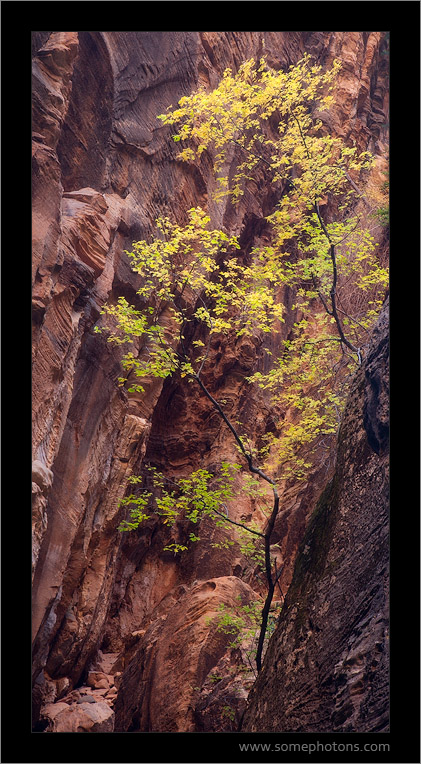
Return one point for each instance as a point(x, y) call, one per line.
point(86, 716)
point(41, 475)
point(98, 680)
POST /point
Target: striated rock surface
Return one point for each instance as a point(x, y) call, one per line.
point(326, 668)
point(103, 169)
point(182, 643)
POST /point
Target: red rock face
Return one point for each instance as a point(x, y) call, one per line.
point(182, 641)
point(103, 169)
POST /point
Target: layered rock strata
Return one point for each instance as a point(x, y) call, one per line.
point(103, 169)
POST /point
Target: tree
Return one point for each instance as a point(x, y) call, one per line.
point(196, 283)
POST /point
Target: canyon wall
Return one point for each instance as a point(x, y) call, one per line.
point(326, 669)
point(111, 611)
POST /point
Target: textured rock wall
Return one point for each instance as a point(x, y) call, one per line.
point(326, 668)
point(103, 170)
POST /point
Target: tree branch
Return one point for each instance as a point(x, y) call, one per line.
point(332, 253)
point(355, 187)
point(269, 527)
point(240, 525)
point(252, 468)
point(351, 318)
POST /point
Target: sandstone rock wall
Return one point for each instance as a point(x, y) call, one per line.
point(326, 668)
point(103, 169)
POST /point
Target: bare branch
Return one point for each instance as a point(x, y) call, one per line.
point(240, 525)
point(351, 318)
point(355, 187)
point(252, 468)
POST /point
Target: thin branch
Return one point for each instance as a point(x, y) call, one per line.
point(206, 355)
point(323, 339)
point(326, 233)
point(328, 311)
point(358, 363)
point(332, 253)
point(269, 527)
point(240, 525)
point(351, 318)
point(252, 468)
point(355, 187)
point(279, 573)
point(251, 665)
point(233, 140)
point(333, 303)
point(259, 158)
point(337, 243)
